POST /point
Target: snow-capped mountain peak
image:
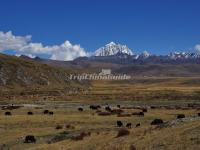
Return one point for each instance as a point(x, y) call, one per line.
point(145, 54)
point(113, 49)
point(110, 44)
point(183, 55)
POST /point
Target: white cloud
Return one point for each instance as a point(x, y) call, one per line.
point(29, 55)
point(23, 45)
point(197, 48)
point(9, 41)
point(64, 49)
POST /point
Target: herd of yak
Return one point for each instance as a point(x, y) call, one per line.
point(108, 110)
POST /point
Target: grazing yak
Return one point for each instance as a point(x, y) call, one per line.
point(180, 116)
point(128, 125)
point(45, 111)
point(50, 112)
point(8, 113)
point(137, 125)
point(107, 108)
point(68, 126)
point(80, 109)
point(141, 114)
point(29, 139)
point(199, 114)
point(29, 113)
point(153, 107)
point(118, 106)
point(144, 110)
point(95, 107)
point(157, 122)
point(119, 124)
point(59, 127)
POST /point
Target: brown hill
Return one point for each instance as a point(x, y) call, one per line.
point(21, 74)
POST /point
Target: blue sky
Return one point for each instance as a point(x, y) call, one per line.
point(158, 26)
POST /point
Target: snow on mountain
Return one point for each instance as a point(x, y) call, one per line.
point(183, 55)
point(145, 54)
point(123, 52)
point(113, 49)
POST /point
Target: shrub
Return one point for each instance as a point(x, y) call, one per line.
point(104, 113)
point(123, 132)
point(68, 126)
point(141, 114)
point(80, 136)
point(124, 115)
point(132, 147)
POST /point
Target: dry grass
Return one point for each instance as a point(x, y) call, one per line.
point(139, 90)
point(103, 130)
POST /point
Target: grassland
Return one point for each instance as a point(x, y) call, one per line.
point(138, 90)
point(180, 135)
point(149, 89)
point(103, 129)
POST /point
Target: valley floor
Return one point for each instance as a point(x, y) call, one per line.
point(139, 90)
point(164, 98)
point(176, 134)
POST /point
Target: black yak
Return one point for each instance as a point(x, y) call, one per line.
point(29, 113)
point(128, 125)
point(46, 111)
point(119, 124)
point(30, 139)
point(157, 122)
point(137, 125)
point(50, 112)
point(80, 109)
point(180, 116)
point(8, 113)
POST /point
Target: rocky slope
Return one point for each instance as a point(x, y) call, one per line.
point(24, 72)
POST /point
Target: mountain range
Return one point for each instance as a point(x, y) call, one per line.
point(37, 72)
point(121, 54)
point(112, 49)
